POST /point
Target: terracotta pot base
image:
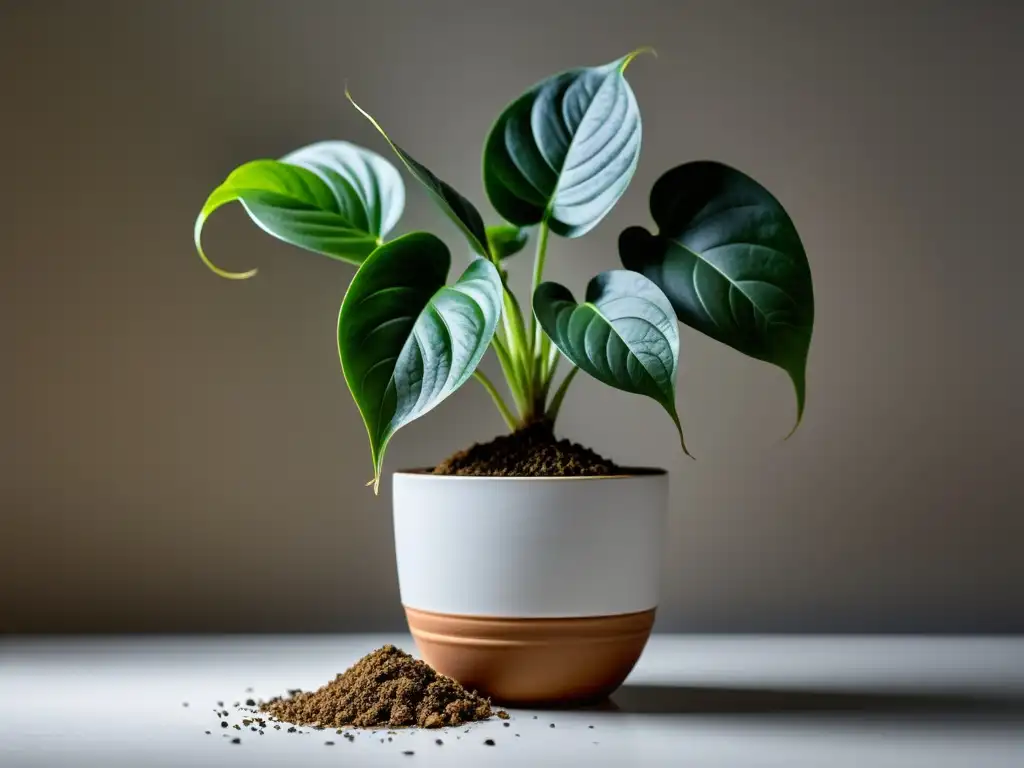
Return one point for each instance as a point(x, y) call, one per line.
point(533, 661)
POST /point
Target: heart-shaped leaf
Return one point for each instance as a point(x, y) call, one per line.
point(406, 340)
point(625, 335)
point(565, 151)
point(505, 240)
point(465, 215)
point(332, 198)
point(731, 262)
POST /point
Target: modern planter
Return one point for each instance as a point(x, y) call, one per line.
point(531, 589)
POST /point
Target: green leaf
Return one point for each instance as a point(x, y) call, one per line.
point(332, 198)
point(465, 215)
point(625, 335)
point(369, 189)
point(731, 262)
point(406, 340)
point(505, 240)
point(565, 151)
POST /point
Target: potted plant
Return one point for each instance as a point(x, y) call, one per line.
point(536, 581)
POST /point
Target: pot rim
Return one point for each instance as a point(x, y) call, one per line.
point(627, 473)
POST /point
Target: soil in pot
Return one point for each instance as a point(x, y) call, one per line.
point(532, 451)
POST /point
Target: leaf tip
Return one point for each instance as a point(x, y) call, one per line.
point(682, 443)
point(375, 124)
point(633, 54)
point(796, 425)
point(213, 267)
point(679, 429)
point(798, 376)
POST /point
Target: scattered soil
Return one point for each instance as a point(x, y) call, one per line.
point(532, 451)
point(385, 688)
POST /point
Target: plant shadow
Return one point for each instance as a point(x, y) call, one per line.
point(694, 700)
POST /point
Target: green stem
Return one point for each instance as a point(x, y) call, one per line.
point(543, 358)
point(506, 414)
point(519, 348)
point(556, 401)
point(538, 275)
point(537, 351)
point(511, 373)
point(554, 357)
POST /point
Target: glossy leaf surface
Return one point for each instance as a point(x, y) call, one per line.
point(565, 151)
point(731, 262)
point(332, 198)
point(625, 334)
point(406, 339)
point(505, 240)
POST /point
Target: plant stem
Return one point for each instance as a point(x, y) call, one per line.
point(510, 371)
point(556, 401)
point(518, 344)
point(538, 351)
point(506, 414)
point(554, 357)
point(538, 275)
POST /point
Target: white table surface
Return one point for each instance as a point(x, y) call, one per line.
point(691, 701)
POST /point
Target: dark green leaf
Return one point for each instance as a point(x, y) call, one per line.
point(505, 240)
point(459, 209)
point(625, 335)
point(731, 262)
point(407, 340)
point(332, 198)
point(565, 150)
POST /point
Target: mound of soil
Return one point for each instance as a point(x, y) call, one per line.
point(386, 688)
point(532, 451)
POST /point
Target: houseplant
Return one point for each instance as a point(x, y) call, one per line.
point(571, 563)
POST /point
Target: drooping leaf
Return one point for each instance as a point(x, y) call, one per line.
point(407, 340)
point(731, 262)
point(369, 189)
point(465, 215)
point(624, 335)
point(505, 240)
point(332, 198)
point(565, 151)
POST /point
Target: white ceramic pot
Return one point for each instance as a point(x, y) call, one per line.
point(530, 589)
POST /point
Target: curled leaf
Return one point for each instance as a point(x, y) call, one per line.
point(332, 198)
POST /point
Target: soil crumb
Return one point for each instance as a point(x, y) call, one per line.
point(385, 688)
point(532, 451)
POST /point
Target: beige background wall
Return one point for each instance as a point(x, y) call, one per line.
point(180, 452)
